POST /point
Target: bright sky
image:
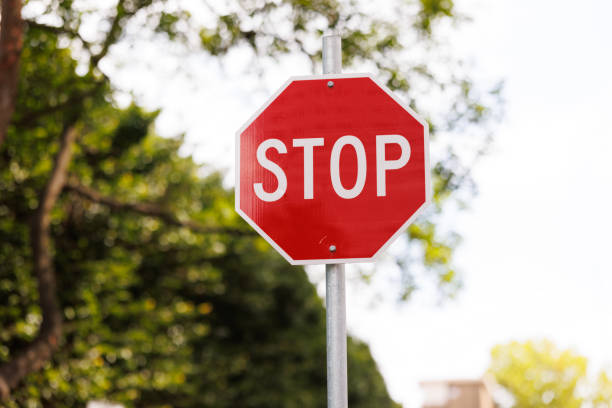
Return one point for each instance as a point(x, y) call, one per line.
point(537, 235)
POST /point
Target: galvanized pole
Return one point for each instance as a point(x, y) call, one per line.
point(335, 295)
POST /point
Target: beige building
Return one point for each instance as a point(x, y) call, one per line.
point(457, 394)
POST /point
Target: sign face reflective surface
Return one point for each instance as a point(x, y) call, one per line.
point(332, 169)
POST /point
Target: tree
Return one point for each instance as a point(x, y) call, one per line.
point(102, 222)
point(539, 374)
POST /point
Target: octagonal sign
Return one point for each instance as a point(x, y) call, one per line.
point(332, 169)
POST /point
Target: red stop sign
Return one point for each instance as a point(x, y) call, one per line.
point(332, 169)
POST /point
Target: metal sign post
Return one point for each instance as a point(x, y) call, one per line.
point(335, 300)
point(335, 294)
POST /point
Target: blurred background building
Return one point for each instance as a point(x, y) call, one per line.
point(103, 404)
point(457, 394)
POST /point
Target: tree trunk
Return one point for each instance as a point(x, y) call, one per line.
point(37, 353)
point(11, 41)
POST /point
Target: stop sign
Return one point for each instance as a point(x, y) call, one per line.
point(332, 169)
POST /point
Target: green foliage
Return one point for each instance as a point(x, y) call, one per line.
point(602, 395)
point(538, 374)
point(133, 127)
point(432, 10)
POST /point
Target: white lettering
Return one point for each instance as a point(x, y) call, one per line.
point(308, 145)
point(274, 168)
point(335, 167)
point(382, 164)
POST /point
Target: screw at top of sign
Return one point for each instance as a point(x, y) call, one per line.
point(330, 84)
point(332, 248)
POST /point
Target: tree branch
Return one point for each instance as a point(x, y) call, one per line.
point(113, 33)
point(11, 41)
point(60, 30)
point(41, 349)
point(151, 210)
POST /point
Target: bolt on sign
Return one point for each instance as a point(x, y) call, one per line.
point(332, 169)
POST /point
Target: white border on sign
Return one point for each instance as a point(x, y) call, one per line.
point(428, 187)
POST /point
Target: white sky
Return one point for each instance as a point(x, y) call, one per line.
point(537, 235)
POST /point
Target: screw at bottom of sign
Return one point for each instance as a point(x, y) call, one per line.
point(332, 248)
point(330, 84)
